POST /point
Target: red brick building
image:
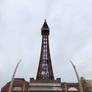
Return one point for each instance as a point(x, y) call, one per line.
point(45, 81)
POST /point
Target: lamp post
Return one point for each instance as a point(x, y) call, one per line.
point(12, 80)
point(78, 78)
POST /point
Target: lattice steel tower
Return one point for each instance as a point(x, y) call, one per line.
point(45, 71)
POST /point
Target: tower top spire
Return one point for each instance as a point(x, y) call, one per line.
point(45, 28)
point(45, 20)
point(45, 24)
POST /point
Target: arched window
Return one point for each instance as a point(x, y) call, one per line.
point(17, 89)
point(72, 89)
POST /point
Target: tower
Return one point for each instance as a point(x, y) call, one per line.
point(45, 71)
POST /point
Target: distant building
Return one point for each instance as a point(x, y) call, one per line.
point(45, 80)
point(88, 87)
point(89, 82)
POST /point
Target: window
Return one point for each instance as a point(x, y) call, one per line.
point(72, 89)
point(17, 89)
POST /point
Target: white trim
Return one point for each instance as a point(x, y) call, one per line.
point(45, 89)
point(45, 84)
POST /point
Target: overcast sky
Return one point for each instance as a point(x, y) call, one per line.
point(70, 23)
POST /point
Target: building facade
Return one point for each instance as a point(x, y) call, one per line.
point(45, 80)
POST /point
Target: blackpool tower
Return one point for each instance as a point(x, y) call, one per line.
point(45, 71)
